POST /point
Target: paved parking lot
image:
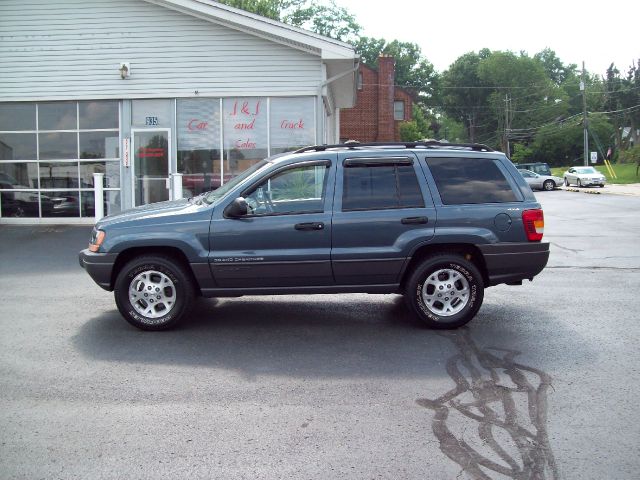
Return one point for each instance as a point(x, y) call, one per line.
point(544, 383)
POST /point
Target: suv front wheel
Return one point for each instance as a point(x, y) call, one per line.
point(153, 292)
point(445, 291)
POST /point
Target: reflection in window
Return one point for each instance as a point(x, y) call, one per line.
point(98, 115)
point(59, 175)
point(199, 144)
point(18, 146)
point(57, 116)
point(18, 175)
point(61, 204)
point(380, 187)
point(470, 180)
point(58, 145)
point(111, 172)
point(17, 116)
point(245, 133)
point(292, 123)
point(296, 190)
point(19, 204)
point(99, 145)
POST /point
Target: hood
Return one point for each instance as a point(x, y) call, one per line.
point(154, 211)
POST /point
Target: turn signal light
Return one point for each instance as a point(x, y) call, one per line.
point(533, 221)
point(95, 245)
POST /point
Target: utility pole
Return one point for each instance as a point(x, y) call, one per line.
point(585, 121)
point(507, 124)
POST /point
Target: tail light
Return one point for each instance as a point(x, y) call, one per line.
point(533, 221)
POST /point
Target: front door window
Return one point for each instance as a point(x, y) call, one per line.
point(151, 166)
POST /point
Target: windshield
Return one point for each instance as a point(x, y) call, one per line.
point(217, 194)
point(586, 170)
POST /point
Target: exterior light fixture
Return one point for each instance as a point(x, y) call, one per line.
point(125, 70)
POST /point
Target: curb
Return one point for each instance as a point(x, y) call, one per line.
point(583, 191)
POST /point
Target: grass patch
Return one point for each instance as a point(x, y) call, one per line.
point(626, 173)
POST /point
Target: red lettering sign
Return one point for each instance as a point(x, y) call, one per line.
point(244, 144)
point(196, 124)
point(292, 125)
point(245, 126)
point(244, 109)
point(145, 152)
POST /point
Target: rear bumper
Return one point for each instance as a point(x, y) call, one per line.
point(513, 262)
point(99, 266)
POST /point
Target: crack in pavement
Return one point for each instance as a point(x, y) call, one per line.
point(488, 369)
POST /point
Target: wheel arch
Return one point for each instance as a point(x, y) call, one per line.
point(467, 250)
point(173, 253)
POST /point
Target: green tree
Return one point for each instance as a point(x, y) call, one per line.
point(325, 18)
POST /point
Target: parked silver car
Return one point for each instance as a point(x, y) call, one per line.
point(540, 182)
point(584, 176)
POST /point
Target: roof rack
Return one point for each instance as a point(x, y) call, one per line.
point(352, 145)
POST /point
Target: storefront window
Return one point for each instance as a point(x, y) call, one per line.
point(54, 182)
point(58, 174)
point(58, 145)
point(57, 116)
point(17, 116)
point(292, 123)
point(198, 133)
point(111, 172)
point(18, 146)
point(61, 204)
point(151, 113)
point(245, 133)
point(18, 175)
point(99, 145)
point(98, 115)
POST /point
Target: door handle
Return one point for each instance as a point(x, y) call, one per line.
point(414, 220)
point(309, 226)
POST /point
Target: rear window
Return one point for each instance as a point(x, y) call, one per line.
point(470, 180)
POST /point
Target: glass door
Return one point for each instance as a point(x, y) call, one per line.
point(150, 165)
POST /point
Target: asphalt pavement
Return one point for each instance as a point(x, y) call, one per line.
point(543, 383)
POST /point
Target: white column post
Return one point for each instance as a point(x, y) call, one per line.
point(176, 187)
point(98, 195)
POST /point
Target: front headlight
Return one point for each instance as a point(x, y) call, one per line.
point(97, 238)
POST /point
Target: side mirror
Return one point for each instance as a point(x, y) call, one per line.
point(236, 209)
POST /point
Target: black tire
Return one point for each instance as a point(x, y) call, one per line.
point(454, 268)
point(566, 182)
point(549, 185)
point(159, 280)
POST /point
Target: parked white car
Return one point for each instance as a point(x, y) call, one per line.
point(584, 177)
point(540, 182)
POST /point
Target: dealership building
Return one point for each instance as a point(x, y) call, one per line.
point(163, 98)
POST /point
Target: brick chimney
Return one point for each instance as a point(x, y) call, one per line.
point(386, 80)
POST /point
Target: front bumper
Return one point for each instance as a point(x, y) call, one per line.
point(99, 266)
point(514, 262)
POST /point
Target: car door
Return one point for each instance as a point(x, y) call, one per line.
point(285, 239)
point(383, 210)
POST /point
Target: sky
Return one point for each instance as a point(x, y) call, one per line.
point(597, 33)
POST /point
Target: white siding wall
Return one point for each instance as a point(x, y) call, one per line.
point(73, 48)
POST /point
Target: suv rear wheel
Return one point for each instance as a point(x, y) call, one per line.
point(445, 291)
point(153, 292)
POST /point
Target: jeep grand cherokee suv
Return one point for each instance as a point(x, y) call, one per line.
point(436, 222)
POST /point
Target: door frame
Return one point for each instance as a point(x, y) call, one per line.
point(133, 159)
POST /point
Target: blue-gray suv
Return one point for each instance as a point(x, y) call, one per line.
point(435, 222)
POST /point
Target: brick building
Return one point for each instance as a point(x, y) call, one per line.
point(380, 107)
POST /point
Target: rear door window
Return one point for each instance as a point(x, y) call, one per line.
point(463, 180)
point(374, 184)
